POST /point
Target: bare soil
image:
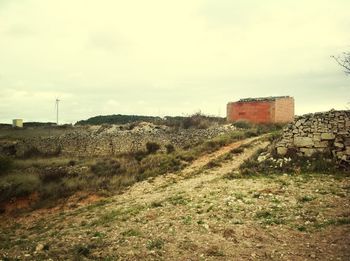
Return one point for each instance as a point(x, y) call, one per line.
point(196, 214)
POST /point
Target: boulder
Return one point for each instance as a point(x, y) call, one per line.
point(303, 142)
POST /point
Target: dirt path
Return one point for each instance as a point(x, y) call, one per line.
point(188, 179)
point(197, 214)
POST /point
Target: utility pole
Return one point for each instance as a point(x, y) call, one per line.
point(57, 101)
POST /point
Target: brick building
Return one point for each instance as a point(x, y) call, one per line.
point(262, 110)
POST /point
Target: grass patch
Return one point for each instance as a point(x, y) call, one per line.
point(306, 198)
point(269, 217)
point(333, 222)
point(155, 244)
point(178, 200)
point(131, 233)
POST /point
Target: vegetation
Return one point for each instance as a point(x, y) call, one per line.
point(57, 177)
point(293, 164)
point(118, 119)
point(6, 164)
point(197, 120)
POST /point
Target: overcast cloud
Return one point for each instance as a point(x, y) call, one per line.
point(164, 57)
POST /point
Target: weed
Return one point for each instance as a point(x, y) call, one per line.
point(301, 228)
point(269, 217)
point(81, 250)
point(214, 251)
point(157, 244)
point(335, 222)
point(187, 244)
point(157, 204)
point(178, 200)
point(187, 220)
point(98, 235)
point(131, 233)
point(239, 196)
point(306, 198)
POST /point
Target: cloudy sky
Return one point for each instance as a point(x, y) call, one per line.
point(165, 57)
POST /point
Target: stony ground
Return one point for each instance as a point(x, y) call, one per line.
point(197, 214)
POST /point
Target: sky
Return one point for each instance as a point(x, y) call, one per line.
point(165, 57)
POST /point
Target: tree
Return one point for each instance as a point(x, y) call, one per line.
point(344, 61)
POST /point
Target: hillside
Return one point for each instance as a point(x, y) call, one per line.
point(204, 212)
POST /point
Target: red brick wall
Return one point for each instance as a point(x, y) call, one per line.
point(255, 111)
point(279, 110)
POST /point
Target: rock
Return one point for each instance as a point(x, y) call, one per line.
point(321, 144)
point(282, 151)
point(327, 136)
point(303, 142)
point(338, 145)
point(262, 158)
point(347, 151)
point(39, 247)
point(308, 152)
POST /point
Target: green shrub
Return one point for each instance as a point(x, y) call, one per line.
point(107, 168)
point(241, 124)
point(155, 244)
point(81, 250)
point(53, 174)
point(6, 164)
point(18, 185)
point(251, 133)
point(152, 147)
point(169, 148)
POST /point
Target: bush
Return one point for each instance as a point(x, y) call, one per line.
point(196, 120)
point(18, 185)
point(169, 148)
point(53, 174)
point(241, 124)
point(107, 168)
point(158, 164)
point(6, 164)
point(152, 147)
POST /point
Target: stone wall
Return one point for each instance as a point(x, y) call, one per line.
point(327, 132)
point(107, 140)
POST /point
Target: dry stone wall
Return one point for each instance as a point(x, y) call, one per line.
point(107, 140)
point(327, 132)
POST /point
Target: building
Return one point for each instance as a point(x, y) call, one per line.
point(17, 123)
point(262, 110)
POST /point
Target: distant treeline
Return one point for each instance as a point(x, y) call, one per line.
point(118, 119)
point(196, 120)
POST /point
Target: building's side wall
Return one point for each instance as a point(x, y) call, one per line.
point(284, 110)
point(17, 123)
point(254, 111)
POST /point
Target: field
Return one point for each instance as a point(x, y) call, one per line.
point(204, 211)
